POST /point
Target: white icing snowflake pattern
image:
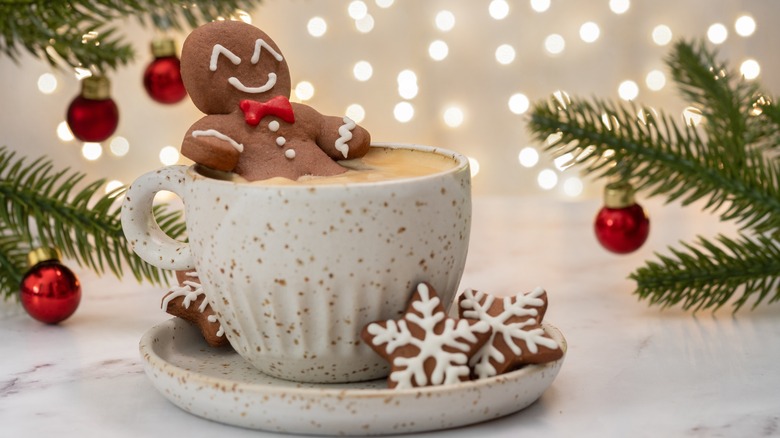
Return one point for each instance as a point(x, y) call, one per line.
point(427, 313)
point(525, 312)
point(191, 290)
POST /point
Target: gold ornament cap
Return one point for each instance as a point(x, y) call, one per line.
point(163, 47)
point(619, 195)
point(42, 254)
point(96, 88)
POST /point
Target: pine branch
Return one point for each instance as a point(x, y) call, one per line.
point(49, 208)
point(707, 275)
point(729, 161)
point(723, 99)
point(13, 261)
point(80, 33)
point(661, 156)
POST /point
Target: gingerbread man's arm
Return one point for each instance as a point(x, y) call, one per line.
point(208, 143)
point(339, 137)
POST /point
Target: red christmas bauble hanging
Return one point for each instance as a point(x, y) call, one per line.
point(93, 114)
point(50, 292)
point(162, 78)
point(621, 225)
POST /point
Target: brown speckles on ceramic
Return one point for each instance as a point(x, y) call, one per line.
point(219, 385)
point(293, 269)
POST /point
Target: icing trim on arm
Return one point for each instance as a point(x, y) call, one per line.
point(258, 45)
point(214, 133)
point(345, 135)
point(219, 49)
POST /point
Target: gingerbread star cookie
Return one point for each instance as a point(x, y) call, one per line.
point(517, 337)
point(425, 347)
point(188, 301)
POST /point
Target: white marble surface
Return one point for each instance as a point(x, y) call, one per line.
point(631, 370)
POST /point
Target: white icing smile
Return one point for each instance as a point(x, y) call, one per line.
point(235, 82)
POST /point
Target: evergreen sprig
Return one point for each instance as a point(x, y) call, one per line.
point(726, 160)
point(709, 274)
point(42, 206)
point(13, 261)
point(84, 33)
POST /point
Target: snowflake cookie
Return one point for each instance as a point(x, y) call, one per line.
point(517, 337)
point(425, 347)
point(188, 301)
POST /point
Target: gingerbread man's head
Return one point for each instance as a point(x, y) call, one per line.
point(225, 62)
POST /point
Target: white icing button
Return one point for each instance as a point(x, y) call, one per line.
point(289, 153)
point(273, 126)
point(281, 141)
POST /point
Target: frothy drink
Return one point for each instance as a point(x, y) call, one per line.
point(379, 164)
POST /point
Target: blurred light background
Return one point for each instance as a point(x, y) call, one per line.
point(458, 74)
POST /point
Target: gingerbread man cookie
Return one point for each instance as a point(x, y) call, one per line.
point(426, 347)
point(517, 337)
point(237, 76)
point(188, 301)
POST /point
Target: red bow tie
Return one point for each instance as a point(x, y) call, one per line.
point(278, 106)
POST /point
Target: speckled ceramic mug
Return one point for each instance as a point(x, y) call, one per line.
point(294, 272)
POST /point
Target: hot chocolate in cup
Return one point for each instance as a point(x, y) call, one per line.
point(295, 270)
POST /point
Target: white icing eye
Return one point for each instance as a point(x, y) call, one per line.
point(259, 45)
point(219, 49)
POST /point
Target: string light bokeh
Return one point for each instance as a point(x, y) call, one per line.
point(459, 74)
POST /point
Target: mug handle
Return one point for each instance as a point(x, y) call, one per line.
point(140, 227)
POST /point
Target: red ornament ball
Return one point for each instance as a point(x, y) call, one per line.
point(162, 80)
point(93, 115)
point(622, 230)
point(621, 225)
point(50, 292)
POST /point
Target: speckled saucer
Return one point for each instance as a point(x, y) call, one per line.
point(219, 385)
